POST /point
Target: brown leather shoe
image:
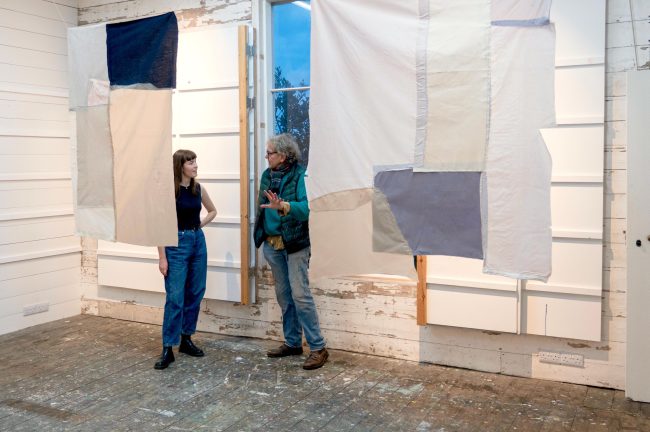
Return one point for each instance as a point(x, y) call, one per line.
point(316, 359)
point(283, 351)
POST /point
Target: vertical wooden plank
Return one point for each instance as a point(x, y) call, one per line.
point(244, 172)
point(421, 265)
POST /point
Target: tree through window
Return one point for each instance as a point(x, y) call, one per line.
point(291, 33)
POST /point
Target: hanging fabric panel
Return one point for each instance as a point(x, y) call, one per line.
point(517, 181)
point(457, 71)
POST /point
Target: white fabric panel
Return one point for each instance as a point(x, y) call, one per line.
point(517, 180)
point(520, 10)
point(458, 63)
point(86, 61)
point(363, 91)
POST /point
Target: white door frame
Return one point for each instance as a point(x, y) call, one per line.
point(638, 238)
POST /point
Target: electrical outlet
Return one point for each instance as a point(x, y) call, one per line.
point(568, 359)
point(572, 359)
point(35, 308)
point(549, 357)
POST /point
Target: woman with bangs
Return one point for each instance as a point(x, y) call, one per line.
point(185, 266)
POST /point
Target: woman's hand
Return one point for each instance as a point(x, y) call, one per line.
point(163, 266)
point(275, 202)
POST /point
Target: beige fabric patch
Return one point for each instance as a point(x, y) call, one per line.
point(145, 206)
point(342, 241)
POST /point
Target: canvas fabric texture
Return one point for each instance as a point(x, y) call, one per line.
point(123, 175)
point(145, 205)
point(143, 51)
point(437, 213)
point(94, 212)
point(86, 61)
point(360, 118)
point(521, 11)
point(516, 184)
point(342, 241)
point(457, 76)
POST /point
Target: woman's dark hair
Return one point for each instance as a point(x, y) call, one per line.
point(179, 158)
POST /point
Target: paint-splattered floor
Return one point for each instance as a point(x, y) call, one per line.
point(96, 374)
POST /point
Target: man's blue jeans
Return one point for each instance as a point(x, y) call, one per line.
point(290, 272)
point(185, 285)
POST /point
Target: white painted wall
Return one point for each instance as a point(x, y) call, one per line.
point(378, 316)
point(39, 254)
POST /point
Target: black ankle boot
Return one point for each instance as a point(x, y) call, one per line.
point(165, 359)
point(188, 347)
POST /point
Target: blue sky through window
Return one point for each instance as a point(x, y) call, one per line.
point(291, 33)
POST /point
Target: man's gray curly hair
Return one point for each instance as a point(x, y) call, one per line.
point(286, 144)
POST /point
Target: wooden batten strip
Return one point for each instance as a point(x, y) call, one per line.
point(244, 183)
point(421, 264)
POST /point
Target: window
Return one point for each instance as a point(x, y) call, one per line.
point(291, 25)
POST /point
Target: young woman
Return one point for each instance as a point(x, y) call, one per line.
point(185, 266)
point(282, 226)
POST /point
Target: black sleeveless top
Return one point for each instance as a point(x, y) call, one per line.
point(188, 208)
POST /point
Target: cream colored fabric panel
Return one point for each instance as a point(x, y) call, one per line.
point(517, 180)
point(341, 241)
point(458, 63)
point(94, 212)
point(144, 182)
point(86, 61)
point(363, 91)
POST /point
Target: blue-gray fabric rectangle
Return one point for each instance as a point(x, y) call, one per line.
point(439, 213)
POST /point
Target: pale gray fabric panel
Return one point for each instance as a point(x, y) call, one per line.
point(437, 212)
point(386, 235)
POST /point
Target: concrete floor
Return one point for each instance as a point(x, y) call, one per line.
point(96, 374)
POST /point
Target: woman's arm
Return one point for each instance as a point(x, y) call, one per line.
point(162, 260)
point(209, 206)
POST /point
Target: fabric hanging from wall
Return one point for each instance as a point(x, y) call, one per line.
point(86, 61)
point(518, 12)
point(516, 184)
point(438, 213)
point(124, 173)
point(362, 109)
point(457, 76)
point(408, 89)
point(360, 120)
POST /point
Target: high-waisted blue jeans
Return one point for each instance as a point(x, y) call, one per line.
point(185, 285)
point(299, 314)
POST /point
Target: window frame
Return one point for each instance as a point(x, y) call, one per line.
point(263, 22)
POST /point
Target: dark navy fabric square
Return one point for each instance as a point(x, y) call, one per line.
point(143, 51)
point(439, 213)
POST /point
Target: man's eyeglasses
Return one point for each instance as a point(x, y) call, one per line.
point(269, 153)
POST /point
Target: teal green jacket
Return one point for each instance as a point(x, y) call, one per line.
point(294, 227)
